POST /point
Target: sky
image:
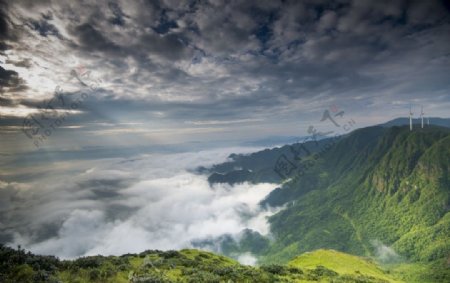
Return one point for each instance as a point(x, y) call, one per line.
point(108, 107)
point(90, 74)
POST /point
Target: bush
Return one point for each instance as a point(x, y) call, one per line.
point(275, 269)
point(321, 271)
point(94, 274)
point(23, 273)
point(89, 262)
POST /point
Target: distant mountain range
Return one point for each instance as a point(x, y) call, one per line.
point(272, 141)
point(381, 191)
point(436, 121)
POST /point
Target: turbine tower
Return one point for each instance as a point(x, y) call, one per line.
point(421, 114)
point(410, 118)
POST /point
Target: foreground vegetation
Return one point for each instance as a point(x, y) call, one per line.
point(186, 266)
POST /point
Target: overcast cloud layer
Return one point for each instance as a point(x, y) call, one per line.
point(217, 70)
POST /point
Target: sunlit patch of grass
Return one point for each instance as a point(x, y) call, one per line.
point(341, 263)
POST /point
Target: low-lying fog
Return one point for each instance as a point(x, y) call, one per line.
point(119, 205)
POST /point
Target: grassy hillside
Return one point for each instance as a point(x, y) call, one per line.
point(185, 266)
point(377, 192)
point(341, 263)
point(355, 266)
point(392, 188)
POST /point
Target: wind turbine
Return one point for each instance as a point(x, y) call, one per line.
point(410, 118)
point(421, 114)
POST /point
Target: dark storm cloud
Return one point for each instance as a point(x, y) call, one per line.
point(5, 31)
point(214, 60)
point(25, 63)
point(118, 17)
point(3, 47)
point(93, 40)
point(3, 26)
point(8, 77)
point(5, 101)
point(113, 46)
point(169, 46)
point(10, 80)
point(44, 28)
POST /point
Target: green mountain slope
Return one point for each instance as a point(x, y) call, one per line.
point(341, 263)
point(379, 192)
point(375, 185)
point(185, 266)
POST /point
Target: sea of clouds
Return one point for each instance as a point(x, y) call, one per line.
point(127, 205)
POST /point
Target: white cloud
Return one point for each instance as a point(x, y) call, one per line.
point(120, 206)
point(384, 253)
point(247, 259)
